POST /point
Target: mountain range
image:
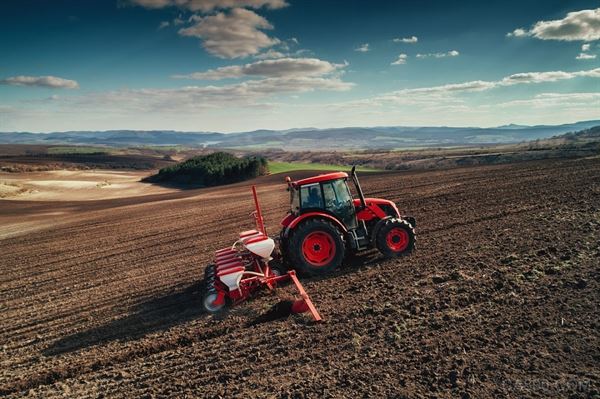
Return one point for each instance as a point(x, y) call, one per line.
point(346, 138)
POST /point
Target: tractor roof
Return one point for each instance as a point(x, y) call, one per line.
point(321, 178)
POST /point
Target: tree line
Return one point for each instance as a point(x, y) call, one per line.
point(212, 170)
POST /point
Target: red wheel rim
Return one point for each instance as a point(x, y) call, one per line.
point(318, 248)
point(397, 239)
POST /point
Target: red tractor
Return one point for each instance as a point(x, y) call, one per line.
point(324, 224)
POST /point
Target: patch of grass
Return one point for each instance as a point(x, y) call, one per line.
point(78, 150)
point(282, 167)
point(253, 147)
point(176, 148)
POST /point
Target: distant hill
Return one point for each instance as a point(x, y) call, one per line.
point(592, 133)
point(347, 138)
point(118, 138)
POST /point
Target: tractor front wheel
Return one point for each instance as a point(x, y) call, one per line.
point(315, 247)
point(395, 238)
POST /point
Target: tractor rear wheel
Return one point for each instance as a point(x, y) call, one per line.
point(315, 247)
point(395, 238)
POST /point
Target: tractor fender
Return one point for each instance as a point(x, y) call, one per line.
point(377, 227)
point(311, 215)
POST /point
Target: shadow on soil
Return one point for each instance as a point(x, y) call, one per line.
point(353, 263)
point(282, 309)
point(157, 314)
point(173, 185)
point(162, 313)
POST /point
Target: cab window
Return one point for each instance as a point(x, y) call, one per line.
point(339, 201)
point(336, 195)
point(310, 196)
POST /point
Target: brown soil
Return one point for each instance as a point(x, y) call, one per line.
point(500, 299)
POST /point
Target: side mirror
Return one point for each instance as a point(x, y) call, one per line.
point(353, 170)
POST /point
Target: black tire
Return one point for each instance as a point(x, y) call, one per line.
point(313, 230)
point(277, 268)
point(283, 250)
point(395, 238)
point(209, 270)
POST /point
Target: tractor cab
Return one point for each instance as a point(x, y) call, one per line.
point(327, 193)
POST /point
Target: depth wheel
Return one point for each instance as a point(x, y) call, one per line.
point(208, 302)
point(395, 238)
point(209, 293)
point(316, 247)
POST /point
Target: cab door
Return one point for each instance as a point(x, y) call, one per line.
point(338, 200)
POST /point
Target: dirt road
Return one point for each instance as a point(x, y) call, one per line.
point(501, 298)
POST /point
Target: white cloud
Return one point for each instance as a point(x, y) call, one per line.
point(232, 32)
point(231, 35)
point(249, 94)
point(411, 40)
point(475, 85)
point(401, 60)
point(41, 81)
point(446, 94)
point(449, 104)
point(283, 67)
point(451, 53)
point(282, 50)
point(551, 76)
point(562, 100)
point(585, 47)
point(578, 25)
point(585, 56)
point(270, 54)
point(210, 5)
point(363, 48)
point(519, 32)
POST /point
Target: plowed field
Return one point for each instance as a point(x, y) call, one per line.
point(501, 298)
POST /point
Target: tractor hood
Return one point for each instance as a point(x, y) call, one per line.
point(380, 207)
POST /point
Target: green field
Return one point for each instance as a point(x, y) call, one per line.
point(77, 150)
point(282, 167)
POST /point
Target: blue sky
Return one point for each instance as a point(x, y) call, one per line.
point(235, 65)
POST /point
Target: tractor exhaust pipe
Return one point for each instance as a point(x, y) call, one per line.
point(363, 204)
